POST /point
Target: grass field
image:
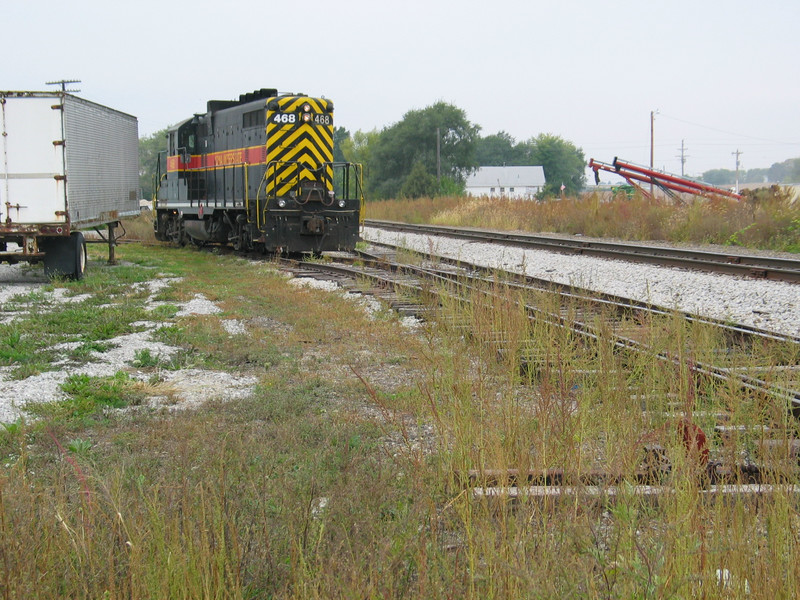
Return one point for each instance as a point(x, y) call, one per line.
point(339, 475)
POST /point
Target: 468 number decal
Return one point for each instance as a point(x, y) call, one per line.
point(291, 118)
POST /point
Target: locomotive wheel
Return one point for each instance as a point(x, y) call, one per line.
point(160, 227)
point(175, 232)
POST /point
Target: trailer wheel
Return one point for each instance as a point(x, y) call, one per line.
point(78, 248)
point(65, 256)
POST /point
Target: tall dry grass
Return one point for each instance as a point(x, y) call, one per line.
point(580, 405)
point(140, 228)
point(767, 219)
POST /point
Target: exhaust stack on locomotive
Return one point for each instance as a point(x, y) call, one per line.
point(258, 173)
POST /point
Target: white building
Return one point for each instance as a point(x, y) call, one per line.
point(508, 182)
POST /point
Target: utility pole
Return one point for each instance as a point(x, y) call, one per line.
point(653, 114)
point(683, 156)
point(737, 154)
point(64, 83)
point(438, 160)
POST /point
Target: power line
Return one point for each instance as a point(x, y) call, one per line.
point(752, 137)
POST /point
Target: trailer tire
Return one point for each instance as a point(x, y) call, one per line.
point(65, 256)
point(78, 250)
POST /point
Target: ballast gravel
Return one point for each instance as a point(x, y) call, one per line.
point(770, 305)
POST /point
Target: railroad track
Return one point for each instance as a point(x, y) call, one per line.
point(398, 283)
point(762, 267)
point(622, 323)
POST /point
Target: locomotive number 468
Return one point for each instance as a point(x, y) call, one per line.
point(292, 118)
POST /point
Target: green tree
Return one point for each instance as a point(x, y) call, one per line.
point(497, 150)
point(450, 187)
point(755, 176)
point(419, 183)
point(787, 171)
point(340, 137)
point(414, 140)
point(562, 161)
point(149, 147)
point(357, 148)
point(719, 177)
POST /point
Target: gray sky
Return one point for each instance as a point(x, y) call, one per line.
point(723, 75)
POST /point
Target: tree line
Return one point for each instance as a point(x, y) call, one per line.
point(787, 171)
point(429, 152)
point(432, 151)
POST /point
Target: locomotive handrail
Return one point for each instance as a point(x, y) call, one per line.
point(258, 195)
point(272, 167)
point(159, 176)
point(211, 168)
point(157, 188)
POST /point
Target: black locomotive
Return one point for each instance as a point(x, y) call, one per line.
point(258, 173)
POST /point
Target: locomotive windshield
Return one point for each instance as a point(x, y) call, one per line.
point(187, 139)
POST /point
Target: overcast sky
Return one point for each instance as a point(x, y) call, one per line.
point(723, 76)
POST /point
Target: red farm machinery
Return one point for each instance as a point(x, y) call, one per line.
point(637, 175)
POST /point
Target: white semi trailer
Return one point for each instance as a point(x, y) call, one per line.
point(66, 164)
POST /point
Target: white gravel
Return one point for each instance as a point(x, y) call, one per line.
point(199, 305)
point(770, 305)
point(189, 387)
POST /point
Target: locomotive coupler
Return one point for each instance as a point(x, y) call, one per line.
point(314, 225)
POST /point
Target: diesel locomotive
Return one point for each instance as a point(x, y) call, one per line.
point(258, 173)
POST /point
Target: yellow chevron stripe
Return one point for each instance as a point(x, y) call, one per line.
point(290, 146)
point(293, 146)
point(322, 137)
point(292, 103)
point(305, 145)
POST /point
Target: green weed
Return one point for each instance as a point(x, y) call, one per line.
point(88, 395)
point(15, 348)
point(80, 447)
point(164, 312)
point(144, 359)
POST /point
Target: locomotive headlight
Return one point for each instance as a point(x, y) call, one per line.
point(306, 117)
point(281, 203)
point(306, 108)
point(341, 203)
